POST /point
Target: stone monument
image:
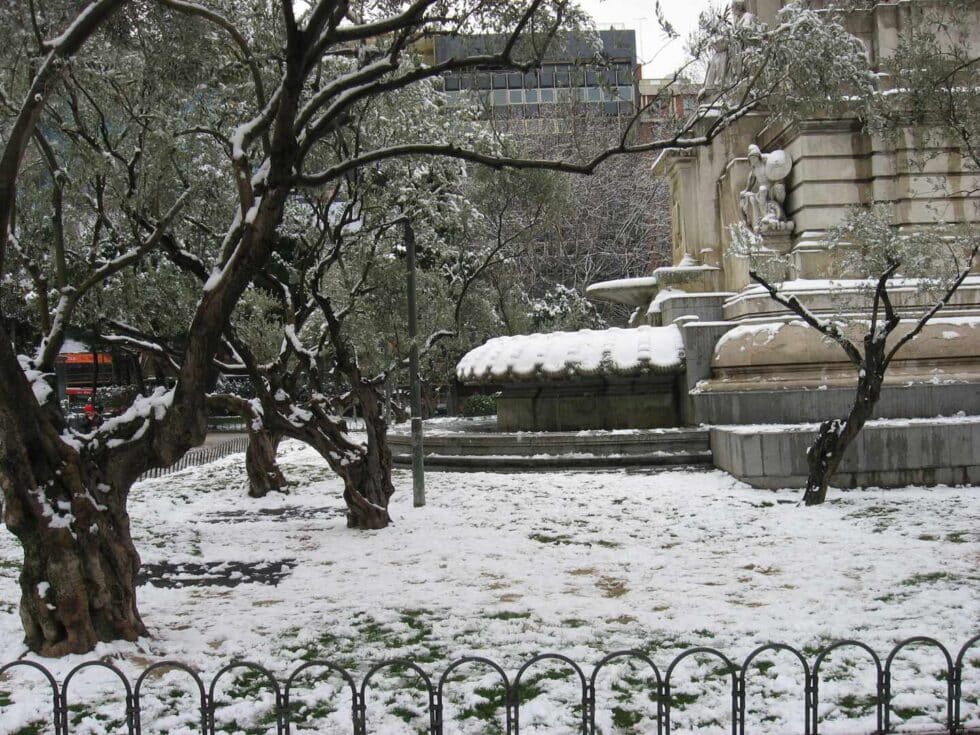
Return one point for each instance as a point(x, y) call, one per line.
point(746, 360)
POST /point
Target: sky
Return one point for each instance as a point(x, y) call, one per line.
point(659, 58)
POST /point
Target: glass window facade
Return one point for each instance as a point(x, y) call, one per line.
point(607, 87)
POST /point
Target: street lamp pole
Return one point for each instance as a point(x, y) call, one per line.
point(418, 467)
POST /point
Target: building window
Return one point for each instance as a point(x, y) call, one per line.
point(624, 93)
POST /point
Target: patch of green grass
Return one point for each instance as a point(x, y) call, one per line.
point(508, 615)
point(957, 537)
point(908, 712)
point(81, 712)
point(926, 578)
point(301, 713)
point(574, 622)
point(543, 538)
point(607, 544)
point(5, 699)
point(33, 728)
point(248, 684)
point(625, 718)
point(488, 710)
point(403, 713)
point(854, 705)
point(680, 700)
point(314, 650)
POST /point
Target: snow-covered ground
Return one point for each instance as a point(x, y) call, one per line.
point(511, 565)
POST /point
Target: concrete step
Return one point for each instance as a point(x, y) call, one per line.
point(525, 463)
point(642, 442)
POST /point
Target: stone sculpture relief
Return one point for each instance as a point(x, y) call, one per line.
point(761, 201)
point(723, 67)
point(717, 73)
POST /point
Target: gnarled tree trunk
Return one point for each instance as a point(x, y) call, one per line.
point(367, 482)
point(834, 437)
point(78, 581)
point(264, 475)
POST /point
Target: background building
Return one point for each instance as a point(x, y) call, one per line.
point(574, 72)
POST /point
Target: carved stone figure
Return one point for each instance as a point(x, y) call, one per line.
point(762, 199)
point(717, 72)
point(724, 66)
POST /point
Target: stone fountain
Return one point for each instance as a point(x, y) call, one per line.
point(709, 350)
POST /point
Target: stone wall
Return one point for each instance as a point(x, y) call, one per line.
point(646, 402)
point(883, 455)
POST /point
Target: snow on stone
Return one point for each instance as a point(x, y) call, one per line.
point(760, 332)
point(837, 285)
point(641, 282)
point(613, 351)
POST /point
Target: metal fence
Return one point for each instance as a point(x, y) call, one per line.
point(201, 455)
point(660, 688)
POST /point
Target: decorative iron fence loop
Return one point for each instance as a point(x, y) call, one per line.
point(171, 665)
point(950, 723)
point(730, 667)
point(55, 693)
point(249, 666)
point(629, 654)
point(440, 689)
point(958, 672)
point(394, 663)
point(550, 657)
point(96, 665)
point(331, 667)
point(807, 684)
point(879, 678)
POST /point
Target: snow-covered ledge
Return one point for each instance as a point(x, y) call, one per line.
point(562, 355)
point(592, 379)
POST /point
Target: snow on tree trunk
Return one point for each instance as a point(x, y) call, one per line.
point(264, 475)
point(835, 436)
point(78, 581)
point(367, 483)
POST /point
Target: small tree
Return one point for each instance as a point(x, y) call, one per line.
point(936, 261)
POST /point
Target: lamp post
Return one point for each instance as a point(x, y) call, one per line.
point(418, 467)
